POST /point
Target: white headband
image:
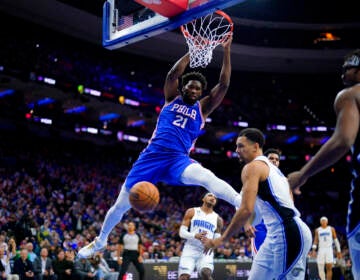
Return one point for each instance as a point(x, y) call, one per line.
point(352, 61)
point(323, 218)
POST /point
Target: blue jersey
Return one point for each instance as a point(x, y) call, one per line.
point(178, 126)
point(167, 154)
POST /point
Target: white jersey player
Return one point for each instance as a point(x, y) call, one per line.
point(199, 222)
point(325, 237)
point(288, 240)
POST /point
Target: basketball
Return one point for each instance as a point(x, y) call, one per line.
point(144, 196)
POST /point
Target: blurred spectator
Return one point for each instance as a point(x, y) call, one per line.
point(154, 251)
point(23, 266)
point(3, 243)
point(83, 270)
point(104, 269)
point(63, 268)
point(70, 255)
point(228, 253)
point(110, 255)
point(45, 231)
point(43, 267)
point(5, 267)
point(31, 255)
point(95, 262)
point(242, 257)
point(12, 247)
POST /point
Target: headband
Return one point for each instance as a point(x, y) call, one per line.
point(352, 61)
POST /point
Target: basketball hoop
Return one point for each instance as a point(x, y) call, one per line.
point(204, 34)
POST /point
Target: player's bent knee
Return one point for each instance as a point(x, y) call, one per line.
point(205, 273)
point(204, 174)
point(184, 277)
point(196, 174)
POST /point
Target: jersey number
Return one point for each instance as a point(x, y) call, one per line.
point(180, 121)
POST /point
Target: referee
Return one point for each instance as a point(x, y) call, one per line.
point(130, 251)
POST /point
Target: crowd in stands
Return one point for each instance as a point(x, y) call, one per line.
point(54, 197)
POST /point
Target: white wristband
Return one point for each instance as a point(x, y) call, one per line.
point(314, 246)
point(217, 235)
point(184, 233)
point(337, 245)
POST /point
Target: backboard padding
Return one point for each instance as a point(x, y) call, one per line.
point(137, 28)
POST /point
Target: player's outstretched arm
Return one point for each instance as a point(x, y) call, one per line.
point(346, 129)
point(172, 78)
point(251, 175)
point(210, 102)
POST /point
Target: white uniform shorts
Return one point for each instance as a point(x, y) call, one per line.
point(192, 257)
point(283, 254)
point(325, 255)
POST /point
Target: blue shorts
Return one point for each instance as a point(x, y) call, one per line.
point(158, 164)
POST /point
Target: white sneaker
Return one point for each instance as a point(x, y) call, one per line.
point(90, 249)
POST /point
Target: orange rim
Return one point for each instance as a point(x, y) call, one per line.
point(221, 13)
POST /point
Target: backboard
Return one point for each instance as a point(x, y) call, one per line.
point(125, 23)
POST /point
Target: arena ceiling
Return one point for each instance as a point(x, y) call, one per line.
point(270, 35)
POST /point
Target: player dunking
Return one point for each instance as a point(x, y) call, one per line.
point(346, 136)
point(166, 158)
point(197, 223)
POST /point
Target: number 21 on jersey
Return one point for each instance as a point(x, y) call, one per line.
point(180, 121)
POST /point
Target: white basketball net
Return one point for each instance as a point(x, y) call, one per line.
point(203, 35)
